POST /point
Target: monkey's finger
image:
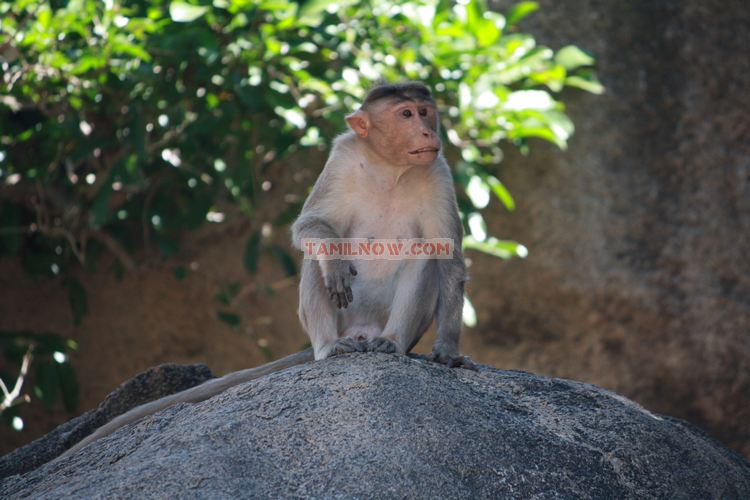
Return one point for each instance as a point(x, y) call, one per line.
point(344, 300)
point(349, 294)
point(340, 284)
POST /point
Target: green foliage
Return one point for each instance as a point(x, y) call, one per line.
point(124, 123)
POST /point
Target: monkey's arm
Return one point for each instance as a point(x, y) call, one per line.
point(325, 213)
point(452, 276)
point(451, 279)
point(195, 394)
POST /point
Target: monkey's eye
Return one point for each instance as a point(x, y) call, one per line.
point(423, 112)
point(406, 113)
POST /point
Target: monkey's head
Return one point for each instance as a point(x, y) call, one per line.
point(399, 122)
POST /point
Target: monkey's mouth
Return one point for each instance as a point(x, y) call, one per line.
point(428, 149)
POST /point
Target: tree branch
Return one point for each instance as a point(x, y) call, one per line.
point(11, 397)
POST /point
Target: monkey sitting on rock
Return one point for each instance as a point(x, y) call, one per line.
point(385, 178)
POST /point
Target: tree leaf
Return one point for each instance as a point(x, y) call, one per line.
point(230, 319)
point(286, 260)
point(478, 191)
point(520, 10)
point(469, 314)
point(11, 216)
point(503, 249)
point(585, 80)
point(183, 12)
point(47, 385)
point(477, 226)
point(252, 252)
point(100, 208)
point(68, 386)
point(501, 192)
point(77, 299)
point(571, 57)
point(289, 214)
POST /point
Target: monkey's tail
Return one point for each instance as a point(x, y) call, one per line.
point(195, 394)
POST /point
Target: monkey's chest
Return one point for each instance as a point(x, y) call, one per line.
point(397, 217)
point(384, 242)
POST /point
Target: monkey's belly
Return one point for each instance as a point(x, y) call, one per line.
point(374, 289)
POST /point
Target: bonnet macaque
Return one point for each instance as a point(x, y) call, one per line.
point(386, 178)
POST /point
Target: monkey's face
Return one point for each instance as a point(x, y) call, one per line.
point(406, 132)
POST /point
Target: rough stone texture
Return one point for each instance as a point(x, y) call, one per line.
point(377, 425)
point(152, 384)
point(638, 277)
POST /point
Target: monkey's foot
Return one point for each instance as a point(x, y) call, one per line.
point(453, 360)
point(381, 344)
point(346, 345)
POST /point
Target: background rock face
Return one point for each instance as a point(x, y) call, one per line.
point(383, 425)
point(639, 272)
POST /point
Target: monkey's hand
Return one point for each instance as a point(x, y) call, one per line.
point(451, 358)
point(337, 276)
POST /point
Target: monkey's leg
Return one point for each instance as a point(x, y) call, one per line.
point(412, 309)
point(318, 315)
point(452, 276)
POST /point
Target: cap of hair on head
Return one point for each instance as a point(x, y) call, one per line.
point(404, 91)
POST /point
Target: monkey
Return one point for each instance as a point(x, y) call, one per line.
point(386, 177)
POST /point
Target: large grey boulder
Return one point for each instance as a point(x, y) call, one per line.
point(376, 425)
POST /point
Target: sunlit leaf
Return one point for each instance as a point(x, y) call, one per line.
point(571, 57)
point(521, 10)
point(478, 191)
point(485, 25)
point(183, 12)
point(529, 99)
point(477, 226)
point(469, 314)
point(501, 192)
point(585, 80)
point(499, 248)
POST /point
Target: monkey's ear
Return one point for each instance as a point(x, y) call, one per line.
point(359, 122)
